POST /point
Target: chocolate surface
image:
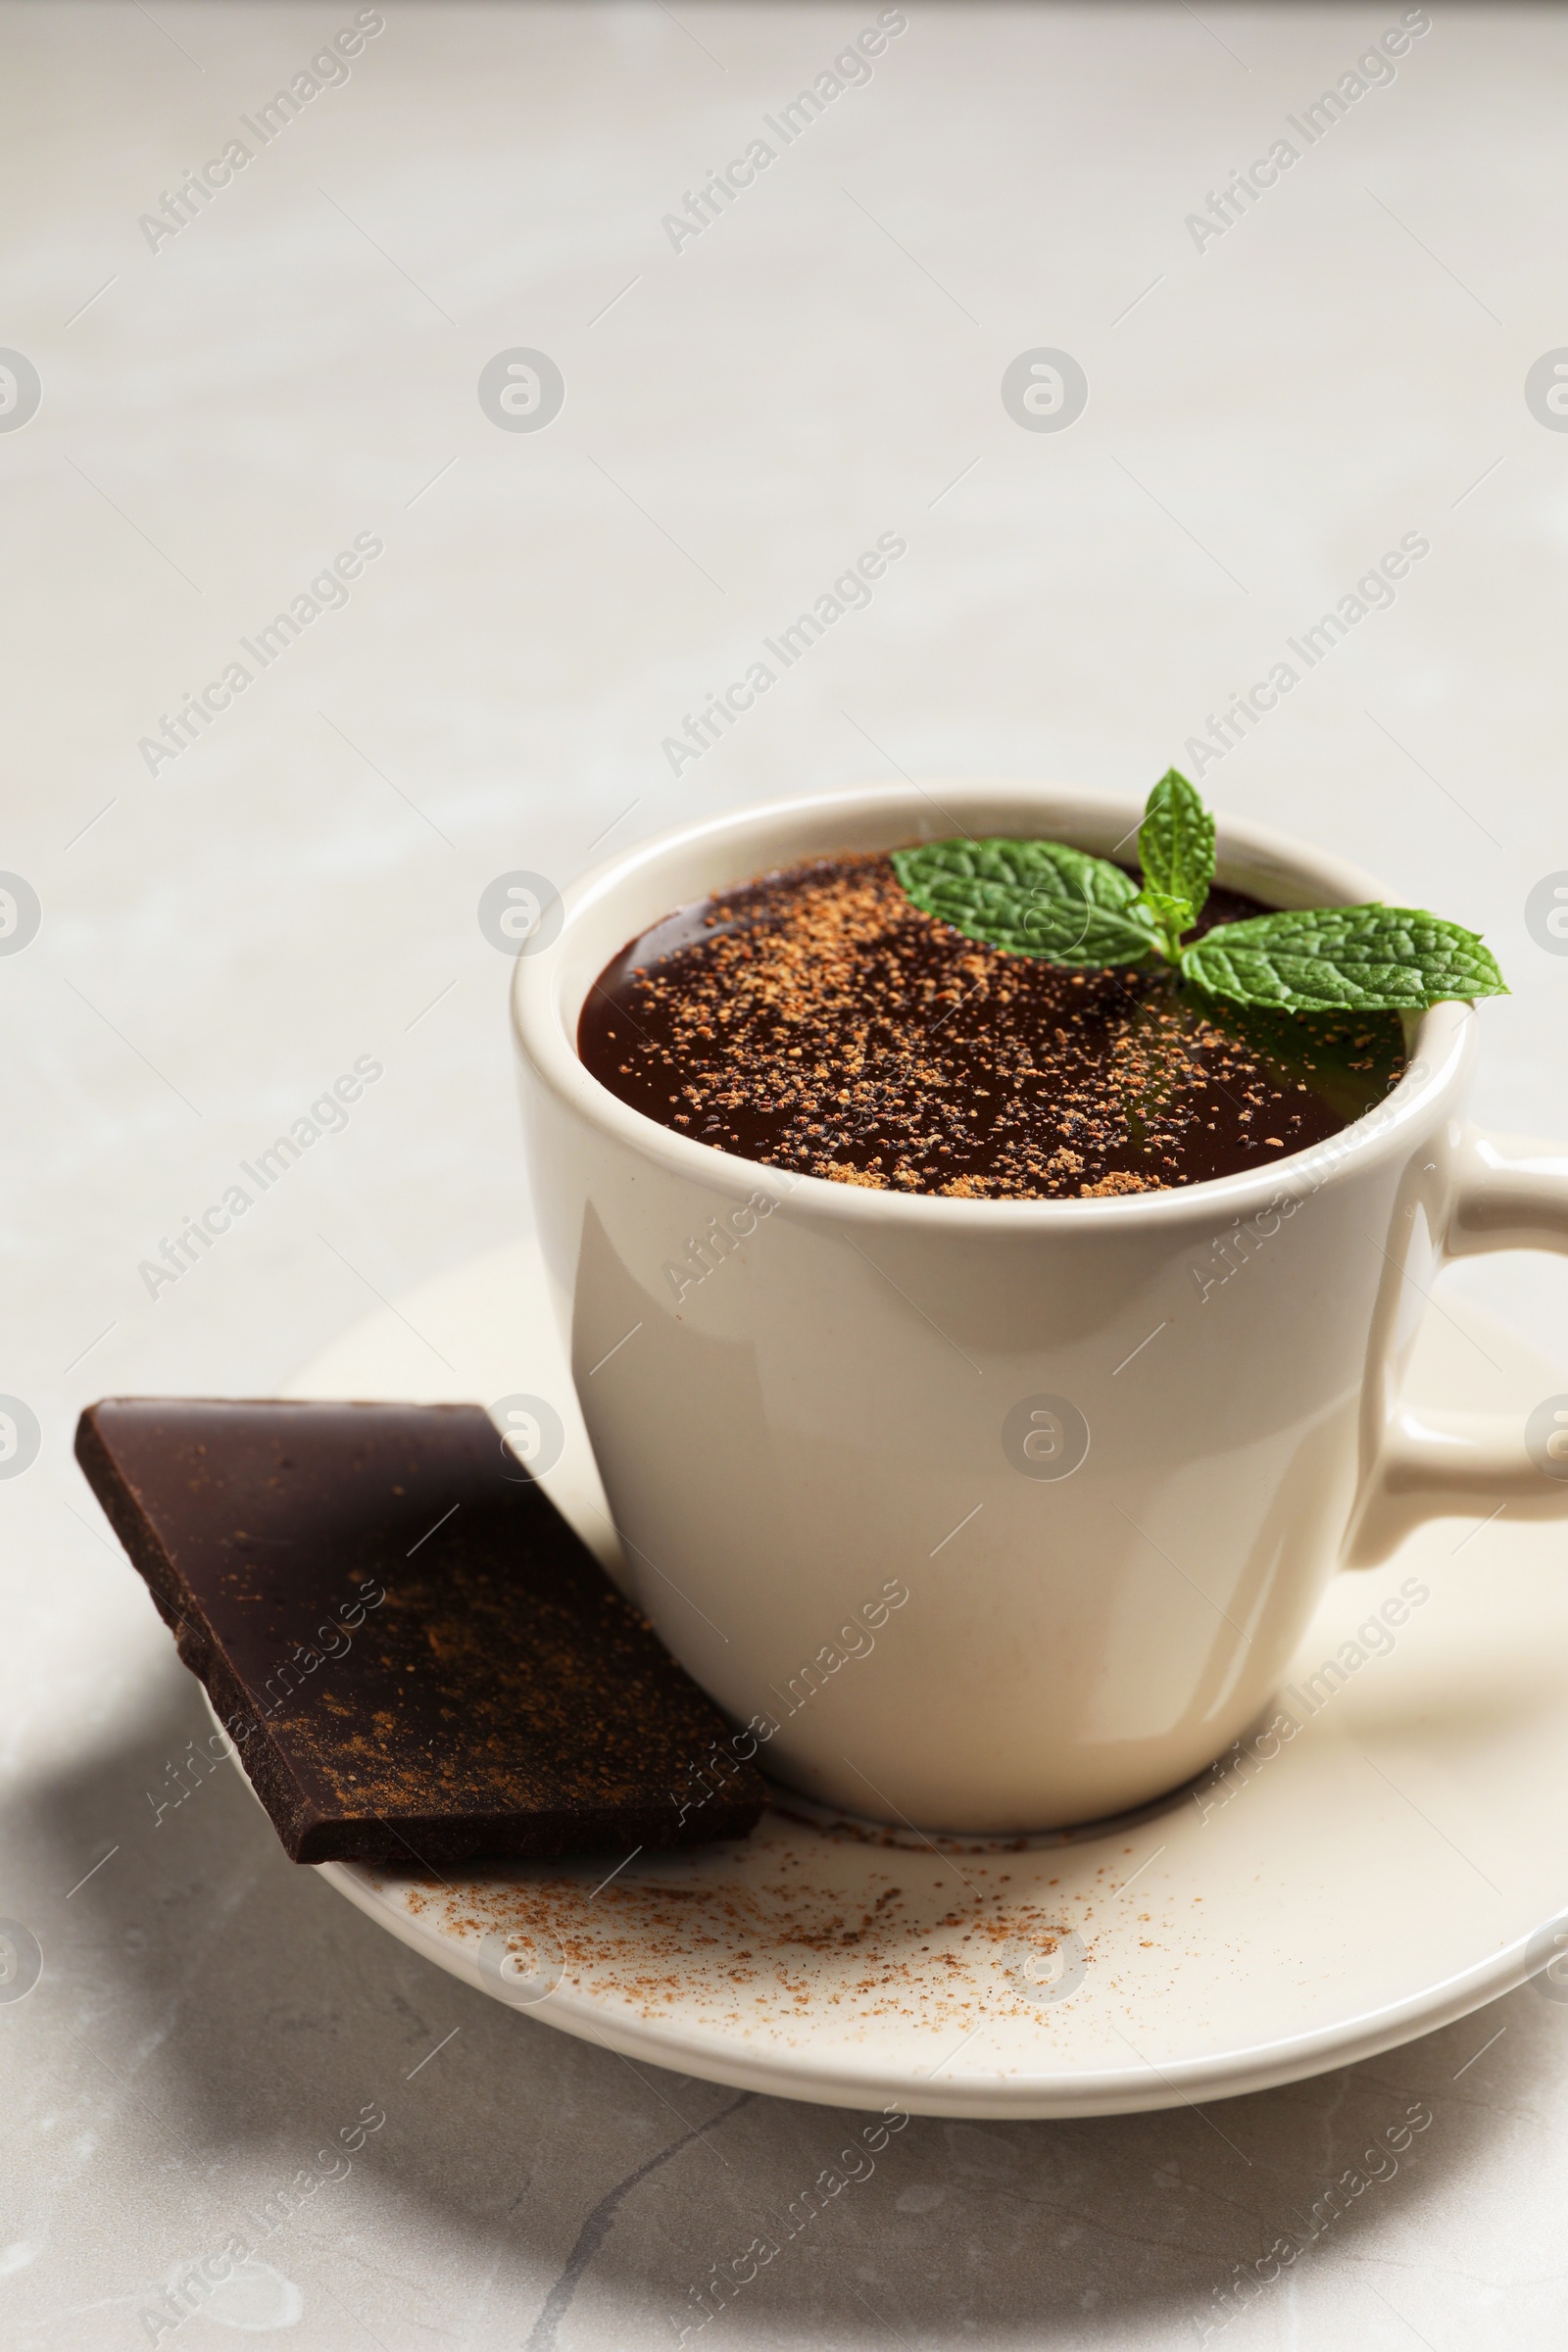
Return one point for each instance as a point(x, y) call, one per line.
point(817, 1019)
point(413, 1652)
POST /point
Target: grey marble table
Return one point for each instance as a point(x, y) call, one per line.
point(215, 386)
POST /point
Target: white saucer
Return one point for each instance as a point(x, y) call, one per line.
point(1388, 1869)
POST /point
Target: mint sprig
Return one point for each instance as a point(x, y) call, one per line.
point(1046, 898)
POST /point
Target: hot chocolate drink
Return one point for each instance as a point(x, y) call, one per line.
point(817, 1019)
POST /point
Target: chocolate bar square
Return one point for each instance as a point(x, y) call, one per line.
point(415, 1655)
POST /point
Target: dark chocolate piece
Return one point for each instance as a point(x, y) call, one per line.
point(416, 1658)
point(817, 1019)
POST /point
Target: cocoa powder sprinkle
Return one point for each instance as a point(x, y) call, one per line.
point(815, 1019)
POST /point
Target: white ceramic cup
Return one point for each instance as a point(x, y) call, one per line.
point(1004, 1514)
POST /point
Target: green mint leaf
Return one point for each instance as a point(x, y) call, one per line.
point(1359, 958)
point(1176, 842)
point(1171, 918)
point(1031, 898)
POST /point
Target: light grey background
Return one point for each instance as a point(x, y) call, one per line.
point(300, 364)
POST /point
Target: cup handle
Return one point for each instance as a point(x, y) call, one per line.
point(1509, 1191)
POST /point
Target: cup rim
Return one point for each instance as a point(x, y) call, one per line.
point(1441, 1042)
